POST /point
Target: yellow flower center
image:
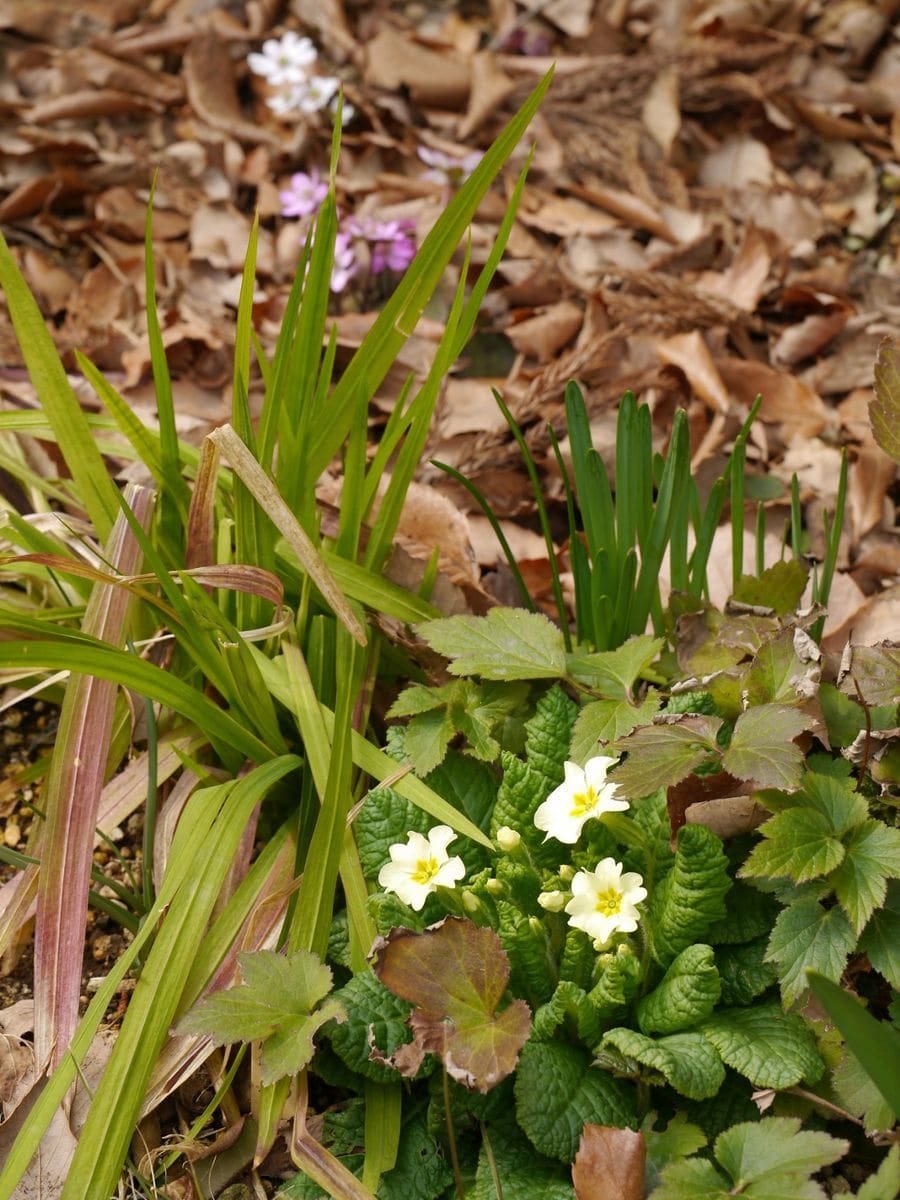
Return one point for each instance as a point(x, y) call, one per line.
point(609, 902)
point(426, 869)
point(583, 802)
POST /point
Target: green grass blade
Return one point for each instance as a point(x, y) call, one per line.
point(95, 488)
point(591, 482)
point(796, 519)
point(542, 517)
point(698, 584)
point(578, 559)
point(110, 1122)
point(399, 316)
point(760, 538)
point(875, 1043)
point(482, 502)
point(738, 460)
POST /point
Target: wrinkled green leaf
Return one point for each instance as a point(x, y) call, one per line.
point(508, 643)
point(685, 1060)
point(557, 1091)
point(374, 1018)
point(688, 993)
point(743, 972)
point(774, 1049)
point(691, 896)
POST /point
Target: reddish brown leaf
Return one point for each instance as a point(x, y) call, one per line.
point(609, 1164)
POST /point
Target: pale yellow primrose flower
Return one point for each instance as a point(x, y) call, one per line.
point(604, 901)
point(584, 793)
point(421, 866)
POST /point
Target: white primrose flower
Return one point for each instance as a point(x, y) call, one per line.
point(421, 866)
point(604, 901)
point(285, 59)
point(584, 793)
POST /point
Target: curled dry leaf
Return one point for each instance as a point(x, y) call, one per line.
point(609, 1164)
point(455, 975)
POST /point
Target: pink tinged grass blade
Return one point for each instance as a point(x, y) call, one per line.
point(110, 1122)
point(192, 843)
point(93, 484)
point(200, 548)
point(71, 797)
point(315, 1161)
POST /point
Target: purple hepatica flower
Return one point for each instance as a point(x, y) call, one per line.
point(446, 168)
point(393, 247)
point(345, 265)
point(304, 196)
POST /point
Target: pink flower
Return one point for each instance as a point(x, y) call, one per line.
point(304, 196)
point(393, 249)
point(345, 265)
point(446, 167)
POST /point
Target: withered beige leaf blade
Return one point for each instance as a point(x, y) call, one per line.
point(270, 500)
point(884, 410)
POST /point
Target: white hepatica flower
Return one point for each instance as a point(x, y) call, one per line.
point(284, 60)
point(604, 901)
point(421, 866)
point(584, 793)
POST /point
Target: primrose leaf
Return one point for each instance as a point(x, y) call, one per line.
point(688, 993)
point(604, 721)
point(685, 1060)
point(613, 673)
point(743, 972)
point(807, 936)
point(884, 407)
point(508, 643)
point(376, 1024)
point(664, 754)
point(762, 748)
point(860, 882)
point(558, 1090)
point(881, 939)
point(279, 1001)
point(799, 843)
point(780, 587)
point(774, 1049)
point(691, 896)
point(455, 975)
point(526, 1175)
point(609, 1164)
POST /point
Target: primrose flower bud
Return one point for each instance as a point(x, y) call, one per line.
point(552, 901)
point(566, 873)
point(508, 839)
point(495, 887)
point(470, 902)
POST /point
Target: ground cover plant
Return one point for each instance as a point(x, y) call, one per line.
point(584, 886)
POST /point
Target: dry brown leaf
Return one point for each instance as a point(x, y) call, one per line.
point(428, 522)
point(738, 163)
point(544, 335)
point(609, 1164)
point(661, 113)
point(744, 281)
point(468, 406)
point(490, 87)
point(394, 61)
point(209, 81)
point(690, 353)
point(808, 337)
point(870, 477)
point(561, 215)
point(785, 398)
